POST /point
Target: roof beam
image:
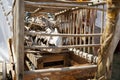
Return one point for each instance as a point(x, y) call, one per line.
point(60, 4)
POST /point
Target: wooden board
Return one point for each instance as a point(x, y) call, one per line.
point(49, 60)
point(67, 75)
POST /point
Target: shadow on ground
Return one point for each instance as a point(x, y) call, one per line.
point(116, 67)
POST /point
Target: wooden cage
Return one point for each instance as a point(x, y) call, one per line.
point(80, 37)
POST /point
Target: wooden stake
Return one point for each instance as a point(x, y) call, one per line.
point(4, 70)
point(19, 38)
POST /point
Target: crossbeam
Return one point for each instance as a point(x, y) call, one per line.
point(60, 69)
point(59, 4)
point(61, 47)
point(64, 35)
point(51, 4)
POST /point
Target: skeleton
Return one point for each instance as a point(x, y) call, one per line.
point(46, 26)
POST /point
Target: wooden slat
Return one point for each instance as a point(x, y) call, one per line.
point(64, 35)
point(75, 2)
point(33, 51)
point(59, 4)
point(61, 47)
point(4, 70)
point(60, 69)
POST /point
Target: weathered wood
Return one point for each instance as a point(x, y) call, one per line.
point(19, 38)
point(110, 39)
point(60, 69)
point(34, 52)
point(64, 35)
point(54, 7)
point(76, 2)
point(41, 61)
point(64, 75)
point(59, 4)
point(4, 70)
point(113, 46)
point(102, 24)
point(61, 47)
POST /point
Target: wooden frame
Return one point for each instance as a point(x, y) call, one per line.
point(19, 39)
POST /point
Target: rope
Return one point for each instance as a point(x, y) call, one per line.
point(103, 68)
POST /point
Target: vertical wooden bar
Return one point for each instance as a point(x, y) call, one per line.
point(4, 70)
point(85, 28)
point(71, 19)
point(81, 24)
point(102, 24)
point(73, 27)
point(19, 39)
point(61, 28)
point(14, 24)
point(93, 31)
point(65, 18)
point(89, 29)
point(77, 20)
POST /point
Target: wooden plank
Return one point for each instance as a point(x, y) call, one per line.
point(19, 38)
point(59, 4)
point(65, 35)
point(61, 47)
point(76, 2)
point(4, 70)
point(60, 69)
point(66, 75)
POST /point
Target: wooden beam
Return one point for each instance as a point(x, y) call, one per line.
point(81, 2)
point(77, 8)
point(52, 7)
point(110, 39)
point(60, 69)
point(4, 70)
point(113, 46)
point(59, 4)
point(19, 38)
point(61, 47)
point(34, 52)
point(64, 35)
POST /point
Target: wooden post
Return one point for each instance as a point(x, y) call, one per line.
point(4, 70)
point(110, 39)
point(19, 38)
